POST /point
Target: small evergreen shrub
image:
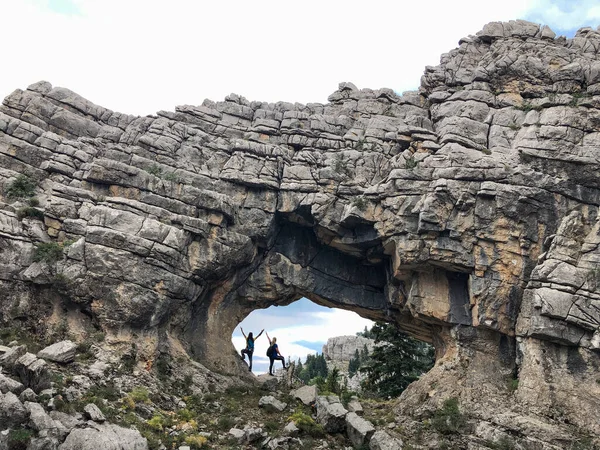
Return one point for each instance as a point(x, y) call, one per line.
point(49, 252)
point(306, 424)
point(19, 439)
point(448, 419)
point(30, 211)
point(21, 187)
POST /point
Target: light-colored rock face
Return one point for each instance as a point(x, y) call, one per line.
point(466, 212)
point(343, 348)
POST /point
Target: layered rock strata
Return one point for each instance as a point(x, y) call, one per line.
point(466, 212)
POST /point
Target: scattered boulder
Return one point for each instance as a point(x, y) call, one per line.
point(355, 406)
point(67, 420)
point(252, 434)
point(39, 420)
point(33, 372)
point(291, 429)
point(62, 352)
point(9, 385)
point(270, 403)
point(358, 429)
point(93, 413)
point(237, 434)
point(43, 443)
point(106, 437)
point(12, 411)
point(10, 357)
point(331, 414)
point(281, 443)
point(383, 441)
point(28, 395)
point(306, 394)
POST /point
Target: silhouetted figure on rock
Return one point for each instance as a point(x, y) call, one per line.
point(274, 354)
point(249, 350)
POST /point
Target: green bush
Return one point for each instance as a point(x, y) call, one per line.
point(410, 163)
point(21, 187)
point(19, 439)
point(306, 424)
point(140, 395)
point(225, 423)
point(448, 419)
point(49, 252)
point(360, 203)
point(30, 211)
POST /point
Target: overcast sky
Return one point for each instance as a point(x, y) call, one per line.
point(142, 56)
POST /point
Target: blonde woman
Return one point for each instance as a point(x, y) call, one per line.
point(274, 354)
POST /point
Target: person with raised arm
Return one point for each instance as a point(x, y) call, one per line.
point(274, 354)
point(249, 350)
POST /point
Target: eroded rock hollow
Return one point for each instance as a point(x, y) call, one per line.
point(466, 212)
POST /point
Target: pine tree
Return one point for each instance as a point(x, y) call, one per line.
point(396, 361)
point(314, 366)
point(354, 364)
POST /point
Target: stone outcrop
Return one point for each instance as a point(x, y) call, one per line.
point(466, 212)
point(61, 352)
point(341, 349)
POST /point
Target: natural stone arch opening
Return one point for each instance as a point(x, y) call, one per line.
point(301, 328)
point(300, 263)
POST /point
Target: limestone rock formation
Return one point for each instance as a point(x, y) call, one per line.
point(466, 212)
point(341, 349)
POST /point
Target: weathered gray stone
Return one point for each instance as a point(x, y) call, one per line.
point(12, 411)
point(39, 420)
point(291, 429)
point(61, 352)
point(9, 385)
point(28, 395)
point(9, 358)
point(358, 429)
point(383, 441)
point(306, 394)
point(107, 437)
point(94, 413)
point(331, 414)
point(270, 403)
point(237, 434)
point(33, 372)
point(355, 406)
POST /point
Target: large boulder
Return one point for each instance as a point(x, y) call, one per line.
point(306, 394)
point(33, 372)
point(40, 421)
point(331, 414)
point(9, 385)
point(383, 441)
point(62, 352)
point(10, 357)
point(270, 403)
point(12, 412)
point(105, 437)
point(358, 429)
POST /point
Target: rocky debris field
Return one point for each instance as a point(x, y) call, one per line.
point(57, 399)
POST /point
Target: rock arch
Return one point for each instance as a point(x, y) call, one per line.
point(465, 212)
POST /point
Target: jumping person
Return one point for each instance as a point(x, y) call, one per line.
point(273, 354)
point(249, 350)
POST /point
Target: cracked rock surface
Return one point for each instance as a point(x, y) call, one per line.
point(466, 212)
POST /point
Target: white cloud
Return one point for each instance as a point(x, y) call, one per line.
point(315, 326)
point(142, 56)
point(565, 15)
